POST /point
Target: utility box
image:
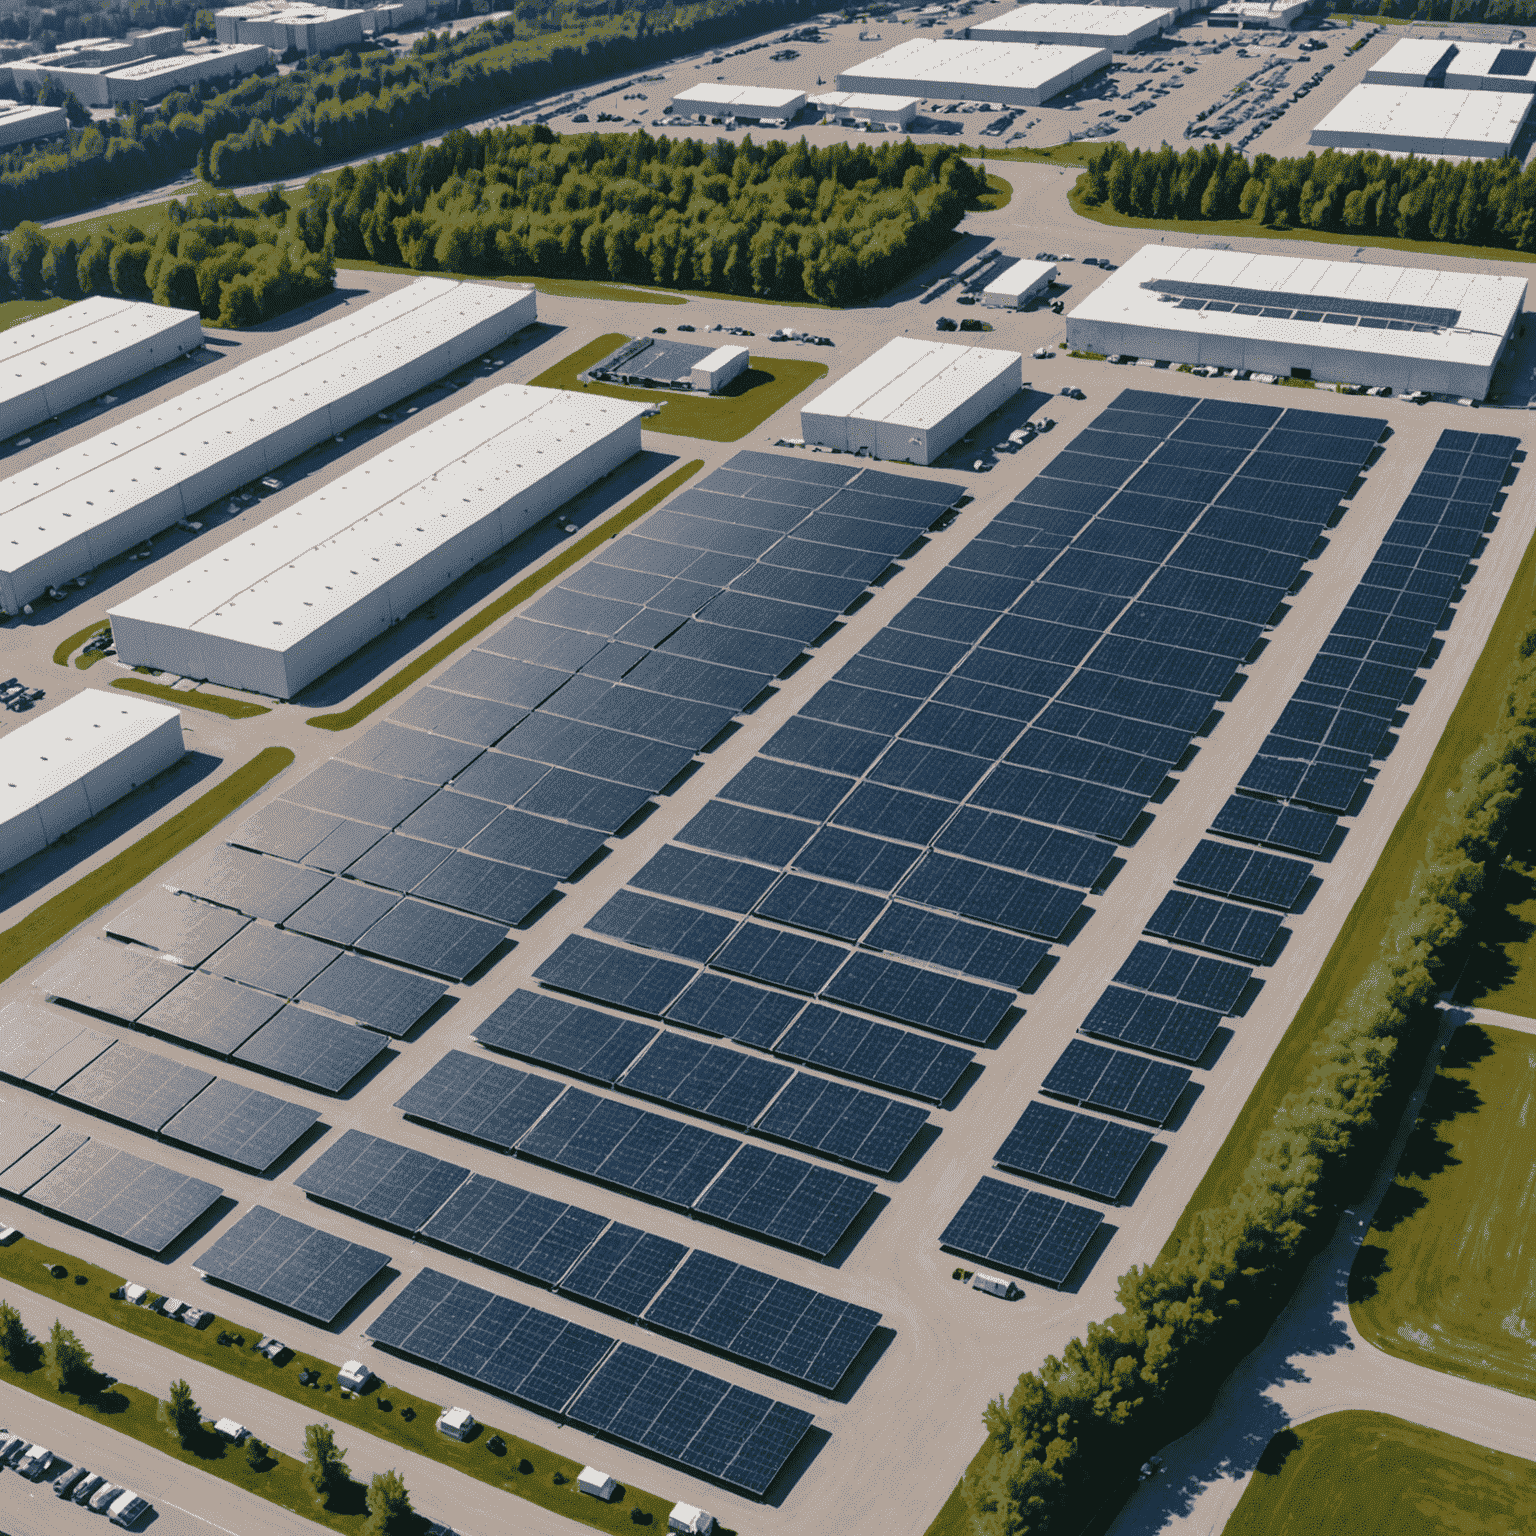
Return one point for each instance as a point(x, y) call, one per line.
point(354, 1376)
point(135, 1294)
point(693, 1521)
point(231, 1430)
point(599, 1484)
point(456, 1423)
point(995, 1285)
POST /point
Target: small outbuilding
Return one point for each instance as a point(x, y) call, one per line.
point(354, 1376)
point(858, 109)
point(690, 1520)
point(1020, 283)
point(599, 1484)
point(456, 1423)
point(711, 374)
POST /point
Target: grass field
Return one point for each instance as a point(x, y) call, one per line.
point(744, 404)
point(214, 703)
point(1368, 1474)
point(1446, 1276)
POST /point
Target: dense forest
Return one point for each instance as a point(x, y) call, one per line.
point(238, 265)
point(777, 220)
point(1464, 202)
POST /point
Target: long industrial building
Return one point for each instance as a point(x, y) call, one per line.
point(25, 124)
point(68, 514)
point(746, 103)
point(948, 69)
point(1425, 120)
point(1405, 327)
point(279, 606)
point(72, 763)
point(1436, 62)
point(1121, 28)
point(849, 107)
point(143, 79)
point(60, 360)
point(912, 399)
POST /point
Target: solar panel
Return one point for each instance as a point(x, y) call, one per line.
point(1245, 873)
point(271, 959)
point(665, 925)
point(251, 884)
point(1220, 925)
point(388, 1000)
point(1117, 1081)
point(530, 1235)
point(767, 1194)
point(290, 1265)
point(1022, 1230)
point(344, 846)
point(450, 944)
point(874, 1053)
point(185, 931)
point(1157, 1024)
point(965, 1010)
point(342, 912)
point(360, 794)
point(393, 1185)
point(44, 1157)
point(408, 753)
point(286, 831)
point(554, 1033)
point(958, 946)
point(704, 878)
point(476, 1097)
point(1280, 826)
point(623, 1270)
point(788, 960)
point(745, 833)
point(138, 1087)
point(310, 1048)
point(20, 1131)
point(1079, 1151)
point(1190, 978)
point(720, 1005)
point(821, 907)
point(118, 980)
point(537, 843)
point(481, 722)
point(708, 1079)
point(838, 1120)
point(240, 1125)
point(46, 1049)
point(607, 974)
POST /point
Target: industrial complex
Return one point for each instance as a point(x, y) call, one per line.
point(943, 69)
point(1426, 120)
point(1120, 28)
point(26, 123)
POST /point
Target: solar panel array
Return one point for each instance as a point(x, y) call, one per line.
point(610, 1265)
point(685, 1416)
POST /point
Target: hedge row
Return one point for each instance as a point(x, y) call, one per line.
point(1072, 1431)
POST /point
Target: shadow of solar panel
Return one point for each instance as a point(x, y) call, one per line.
point(241, 1125)
point(841, 1121)
point(480, 722)
point(745, 833)
point(720, 1006)
point(788, 960)
point(183, 930)
point(141, 1088)
point(664, 925)
point(860, 860)
point(767, 1194)
point(411, 754)
point(530, 1235)
point(1229, 930)
point(360, 794)
point(995, 895)
point(1157, 1024)
point(1066, 857)
point(285, 831)
point(957, 945)
point(830, 909)
point(1281, 826)
point(1190, 978)
point(623, 1270)
point(290, 1264)
point(607, 974)
point(555, 1033)
point(476, 1097)
point(450, 944)
point(46, 1049)
point(1245, 873)
point(1079, 1151)
point(342, 912)
point(708, 1079)
point(111, 978)
point(124, 1196)
point(704, 878)
point(963, 1009)
point(375, 1178)
point(310, 1048)
point(1022, 1230)
point(1116, 1081)
point(770, 1323)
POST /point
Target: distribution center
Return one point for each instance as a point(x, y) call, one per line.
point(1425, 120)
point(1406, 327)
point(746, 103)
point(850, 107)
point(1122, 28)
point(68, 514)
point(947, 69)
point(75, 761)
point(1455, 66)
point(280, 605)
point(912, 399)
point(57, 361)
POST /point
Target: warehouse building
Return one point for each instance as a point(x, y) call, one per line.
point(147, 79)
point(295, 596)
point(855, 110)
point(912, 399)
point(57, 361)
point(22, 123)
point(949, 69)
point(281, 25)
point(745, 103)
point(711, 374)
point(1436, 63)
point(68, 514)
point(1423, 120)
point(72, 763)
point(1406, 327)
point(1413, 61)
point(1259, 15)
point(1020, 283)
point(1120, 28)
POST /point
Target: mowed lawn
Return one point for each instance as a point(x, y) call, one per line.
point(1368, 1474)
point(1446, 1276)
point(1501, 973)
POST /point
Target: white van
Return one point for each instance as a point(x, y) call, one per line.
point(995, 1285)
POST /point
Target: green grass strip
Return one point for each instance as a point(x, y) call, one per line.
point(67, 648)
point(522, 1468)
point(215, 704)
point(21, 944)
point(520, 593)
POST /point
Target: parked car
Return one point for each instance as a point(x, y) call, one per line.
point(87, 1487)
point(1043, 352)
point(1418, 397)
point(944, 323)
point(126, 1509)
point(64, 1483)
point(685, 327)
point(821, 341)
point(14, 1449)
point(104, 1497)
point(1072, 392)
point(658, 330)
point(34, 1465)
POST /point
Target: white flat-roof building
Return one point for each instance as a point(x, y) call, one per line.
point(1120, 28)
point(912, 399)
point(60, 360)
point(1412, 61)
point(1015, 287)
point(282, 24)
point(24, 123)
point(146, 79)
point(711, 374)
point(1407, 327)
point(68, 514)
point(280, 605)
point(1423, 120)
point(949, 69)
point(1490, 67)
point(1258, 15)
point(746, 103)
point(850, 107)
point(72, 763)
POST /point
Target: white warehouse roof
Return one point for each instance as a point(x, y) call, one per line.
point(285, 602)
point(885, 109)
point(60, 360)
point(1422, 120)
point(1023, 277)
point(948, 69)
point(1490, 67)
point(1412, 61)
point(1410, 327)
point(22, 123)
point(1120, 27)
point(722, 99)
point(68, 514)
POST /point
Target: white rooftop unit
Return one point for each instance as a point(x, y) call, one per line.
point(280, 605)
point(1019, 284)
point(713, 373)
point(1413, 61)
point(60, 360)
point(948, 69)
point(23, 123)
point(750, 103)
point(690, 1520)
point(457, 1423)
point(856, 107)
point(912, 399)
point(1121, 28)
point(1407, 327)
point(1421, 120)
point(85, 754)
point(68, 514)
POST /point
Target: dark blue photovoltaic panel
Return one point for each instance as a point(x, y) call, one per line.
point(529, 1234)
point(1117, 1081)
point(1245, 873)
point(1229, 930)
point(1080, 1151)
point(1190, 978)
point(1046, 852)
point(1281, 826)
point(477, 1097)
point(1157, 1024)
point(608, 974)
point(963, 1009)
point(860, 860)
point(709, 1079)
point(958, 946)
point(1022, 1230)
point(875, 1053)
point(787, 788)
point(555, 1033)
point(841, 1121)
point(786, 1199)
point(814, 904)
point(664, 925)
point(785, 959)
point(721, 1006)
point(704, 878)
point(746, 833)
point(623, 1270)
point(994, 895)
point(394, 1185)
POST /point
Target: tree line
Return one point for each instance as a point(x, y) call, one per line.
point(1466, 202)
point(1069, 1435)
point(235, 264)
